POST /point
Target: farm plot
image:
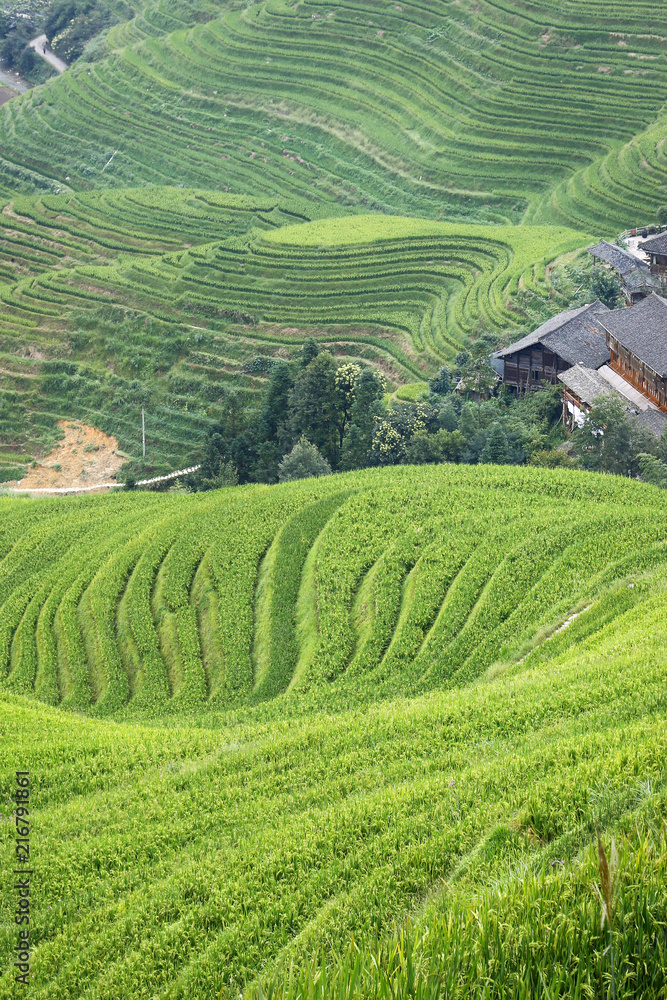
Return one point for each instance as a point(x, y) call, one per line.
point(420, 109)
point(405, 294)
point(179, 619)
point(358, 719)
point(60, 231)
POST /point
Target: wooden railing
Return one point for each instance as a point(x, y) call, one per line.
point(637, 230)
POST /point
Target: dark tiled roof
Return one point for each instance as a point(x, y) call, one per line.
point(622, 262)
point(589, 385)
point(655, 244)
point(642, 330)
point(575, 335)
point(586, 383)
point(642, 279)
point(655, 420)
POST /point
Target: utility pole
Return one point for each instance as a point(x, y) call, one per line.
point(143, 433)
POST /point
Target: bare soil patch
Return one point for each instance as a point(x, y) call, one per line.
point(85, 456)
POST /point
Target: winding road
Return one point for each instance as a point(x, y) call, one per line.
point(41, 47)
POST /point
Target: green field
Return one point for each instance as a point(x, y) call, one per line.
point(141, 188)
point(114, 300)
point(356, 722)
point(346, 738)
point(490, 109)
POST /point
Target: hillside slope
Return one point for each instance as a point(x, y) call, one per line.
point(186, 859)
point(226, 598)
point(414, 108)
point(147, 281)
point(98, 320)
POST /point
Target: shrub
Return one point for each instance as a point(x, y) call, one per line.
point(303, 461)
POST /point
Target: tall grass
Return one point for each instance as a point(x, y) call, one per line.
point(536, 934)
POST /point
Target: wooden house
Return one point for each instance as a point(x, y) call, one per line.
point(574, 336)
point(583, 387)
point(635, 274)
point(656, 249)
point(637, 339)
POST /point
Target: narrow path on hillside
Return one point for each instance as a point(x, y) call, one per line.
point(41, 47)
point(13, 82)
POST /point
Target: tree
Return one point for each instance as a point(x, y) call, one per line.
point(275, 403)
point(315, 406)
point(346, 380)
point(662, 447)
point(309, 352)
point(652, 470)
point(551, 458)
point(479, 378)
point(388, 446)
point(423, 449)
point(496, 449)
point(441, 384)
point(661, 215)
point(446, 416)
point(608, 442)
point(366, 410)
point(302, 462)
point(460, 361)
point(443, 446)
point(606, 287)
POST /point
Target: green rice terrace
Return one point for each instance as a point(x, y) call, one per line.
point(391, 734)
point(98, 318)
point(546, 111)
point(264, 723)
point(140, 191)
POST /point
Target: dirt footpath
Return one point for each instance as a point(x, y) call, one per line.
point(84, 457)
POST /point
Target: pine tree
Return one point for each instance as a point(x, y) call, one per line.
point(496, 449)
point(315, 407)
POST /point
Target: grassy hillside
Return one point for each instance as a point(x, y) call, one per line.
point(99, 320)
point(363, 721)
point(232, 597)
point(346, 737)
point(136, 265)
point(59, 231)
point(412, 108)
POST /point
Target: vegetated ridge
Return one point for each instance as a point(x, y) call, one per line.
point(482, 114)
point(372, 702)
point(264, 723)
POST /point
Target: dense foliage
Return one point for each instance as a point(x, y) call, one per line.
point(16, 31)
point(70, 24)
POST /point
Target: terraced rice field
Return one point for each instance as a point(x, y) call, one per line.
point(237, 596)
point(491, 110)
point(349, 736)
point(404, 293)
point(140, 187)
point(59, 231)
point(353, 720)
point(431, 282)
